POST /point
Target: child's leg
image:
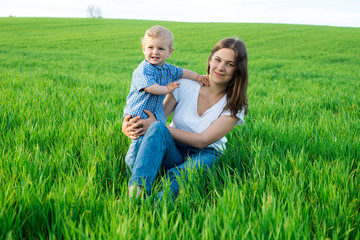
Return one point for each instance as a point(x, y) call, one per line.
point(132, 153)
point(129, 160)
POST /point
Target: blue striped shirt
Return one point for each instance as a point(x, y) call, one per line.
point(144, 76)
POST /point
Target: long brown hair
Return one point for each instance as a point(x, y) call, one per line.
point(236, 90)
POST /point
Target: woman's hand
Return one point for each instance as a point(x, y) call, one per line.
point(131, 127)
point(147, 122)
point(136, 127)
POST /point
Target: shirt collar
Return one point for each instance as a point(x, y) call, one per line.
point(164, 66)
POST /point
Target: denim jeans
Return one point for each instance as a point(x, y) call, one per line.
point(157, 149)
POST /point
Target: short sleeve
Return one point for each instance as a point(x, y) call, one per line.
point(185, 86)
point(240, 115)
point(176, 93)
point(175, 72)
point(144, 77)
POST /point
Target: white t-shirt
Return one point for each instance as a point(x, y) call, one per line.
point(186, 117)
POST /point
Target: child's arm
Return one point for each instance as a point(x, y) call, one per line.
point(202, 79)
point(157, 89)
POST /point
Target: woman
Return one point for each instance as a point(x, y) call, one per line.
point(202, 116)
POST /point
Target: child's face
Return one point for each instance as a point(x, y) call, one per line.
point(157, 50)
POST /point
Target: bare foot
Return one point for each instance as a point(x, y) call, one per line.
point(131, 191)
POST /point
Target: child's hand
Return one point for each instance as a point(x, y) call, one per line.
point(172, 86)
point(203, 80)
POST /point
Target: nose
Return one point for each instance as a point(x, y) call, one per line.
point(221, 66)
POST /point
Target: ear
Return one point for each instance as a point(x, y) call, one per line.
point(170, 52)
point(143, 47)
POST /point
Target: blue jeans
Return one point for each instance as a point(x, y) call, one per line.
point(157, 149)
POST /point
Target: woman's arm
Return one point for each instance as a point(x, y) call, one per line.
point(169, 104)
point(218, 129)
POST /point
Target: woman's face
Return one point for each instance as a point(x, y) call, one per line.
point(222, 66)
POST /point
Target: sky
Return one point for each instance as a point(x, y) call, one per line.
point(342, 13)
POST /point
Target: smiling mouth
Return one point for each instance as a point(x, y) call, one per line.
point(218, 74)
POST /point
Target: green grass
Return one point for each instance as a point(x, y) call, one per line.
point(290, 172)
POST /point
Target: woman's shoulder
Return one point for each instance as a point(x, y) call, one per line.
point(188, 83)
point(187, 88)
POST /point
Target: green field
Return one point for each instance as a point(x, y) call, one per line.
point(290, 172)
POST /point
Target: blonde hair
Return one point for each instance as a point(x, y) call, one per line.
point(159, 32)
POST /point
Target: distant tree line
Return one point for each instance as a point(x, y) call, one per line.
point(94, 11)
